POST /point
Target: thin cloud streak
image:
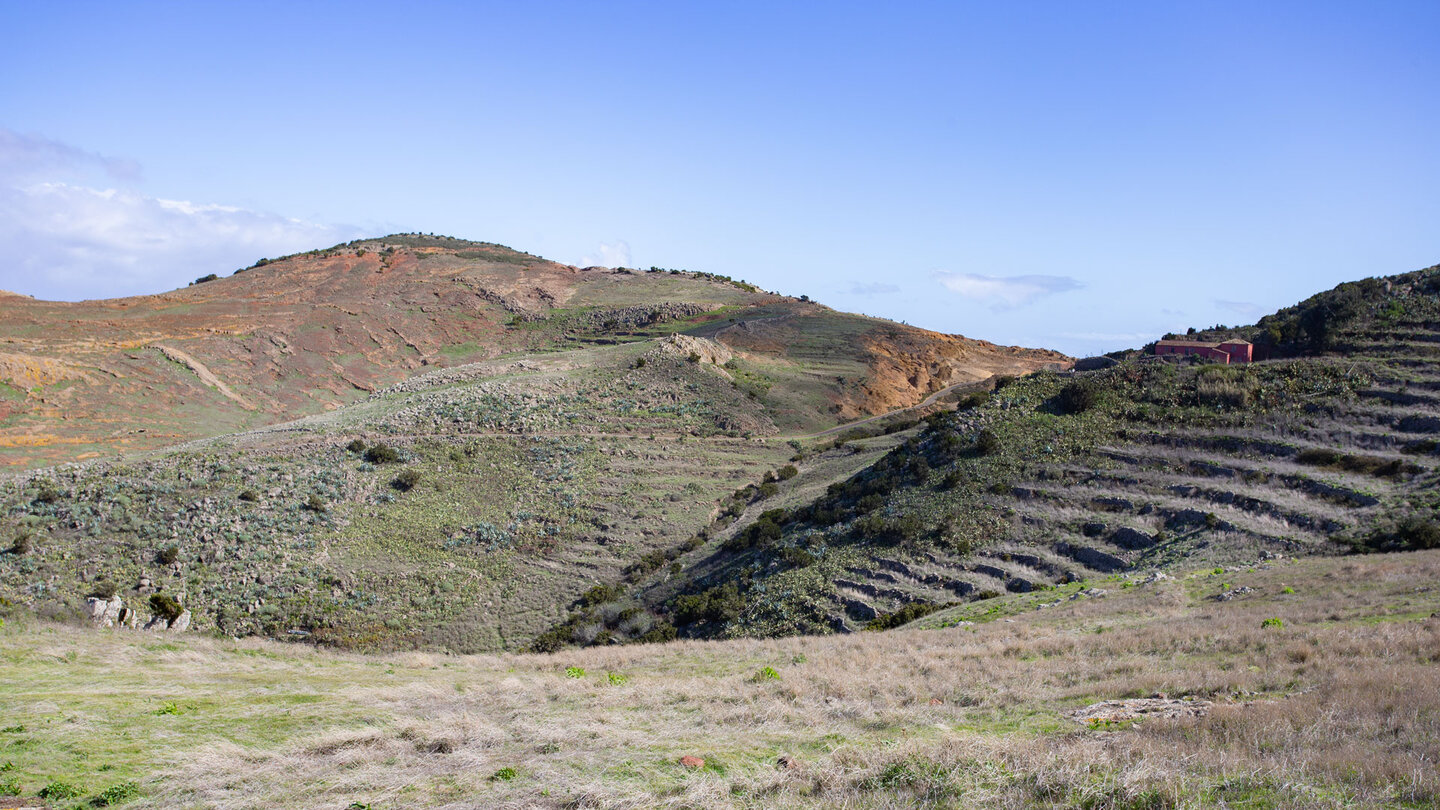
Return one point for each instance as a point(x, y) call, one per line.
point(1008, 292)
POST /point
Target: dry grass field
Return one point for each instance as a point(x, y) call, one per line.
point(1336, 704)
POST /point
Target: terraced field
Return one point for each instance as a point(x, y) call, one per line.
point(1064, 477)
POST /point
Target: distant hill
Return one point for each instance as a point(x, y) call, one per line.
point(315, 331)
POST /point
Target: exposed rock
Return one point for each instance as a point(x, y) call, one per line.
point(1126, 537)
point(1119, 711)
point(1093, 558)
point(1233, 593)
point(709, 351)
point(1093, 529)
point(104, 612)
point(181, 623)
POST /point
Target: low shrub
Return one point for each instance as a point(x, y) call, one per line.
point(406, 480)
point(116, 794)
point(60, 791)
point(168, 555)
point(765, 674)
point(165, 606)
point(249, 496)
point(575, 672)
point(356, 446)
point(382, 453)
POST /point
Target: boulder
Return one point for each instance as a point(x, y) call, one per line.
point(181, 623)
point(104, 612)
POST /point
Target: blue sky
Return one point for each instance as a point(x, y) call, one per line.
point(1081, 176)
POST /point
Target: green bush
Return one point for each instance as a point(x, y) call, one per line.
point(116, 794)
point(987, 443)
point(356, 446)
point(382, 453)
point(204, 279)
point(23, 544)
point(315, 504)
point(617, 679)
point(1078, 397)
point(575, 672)
point(1273, 622)
point(11, 786)
point(249, 496)
point(406, 480)
point(164, 605)
point(59, 791)
point(504, 775)
point(765, 674)
point(168, 555)
point(787, 472)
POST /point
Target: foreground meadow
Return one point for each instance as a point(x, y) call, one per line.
point(1320, 675)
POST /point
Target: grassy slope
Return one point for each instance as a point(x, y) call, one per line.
point(1338, 707)
point(538, 478)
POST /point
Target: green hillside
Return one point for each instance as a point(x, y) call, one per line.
point(1061, 478)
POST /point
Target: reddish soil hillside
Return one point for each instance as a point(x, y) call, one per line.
point(315, 331)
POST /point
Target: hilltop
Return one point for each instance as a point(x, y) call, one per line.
point(313, 332)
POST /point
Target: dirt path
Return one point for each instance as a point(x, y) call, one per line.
point(206, 375)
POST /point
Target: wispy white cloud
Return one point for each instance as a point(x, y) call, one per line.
point(1006, 292)
point(873, 288)
point(71, 229)
point(609, 254)
point(1242, 308)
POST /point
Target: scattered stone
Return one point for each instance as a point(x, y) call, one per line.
point(1154, 577)
point(692, 762)
point(1233, 593)
point(1120, 711)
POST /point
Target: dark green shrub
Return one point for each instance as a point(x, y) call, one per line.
point(168, 555)
point(356, 446)
point(23, 544)
point(104, 590)
point(47, 495)
point(382, 453)
point(203, 279)
point(639, 362)
point(315, 504)
point(249, 496)
point(987, 443)
point(1078, 397)
point(406, 480)
point(164, 605)
point(694, 357)
point(905, 615)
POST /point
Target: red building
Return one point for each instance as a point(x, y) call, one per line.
point(1231, 351)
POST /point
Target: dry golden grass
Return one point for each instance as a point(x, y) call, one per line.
point(1339, 707)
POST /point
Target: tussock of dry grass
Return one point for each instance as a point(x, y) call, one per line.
point(1341, 706)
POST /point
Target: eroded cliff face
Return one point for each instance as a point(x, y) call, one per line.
point(909, 365)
